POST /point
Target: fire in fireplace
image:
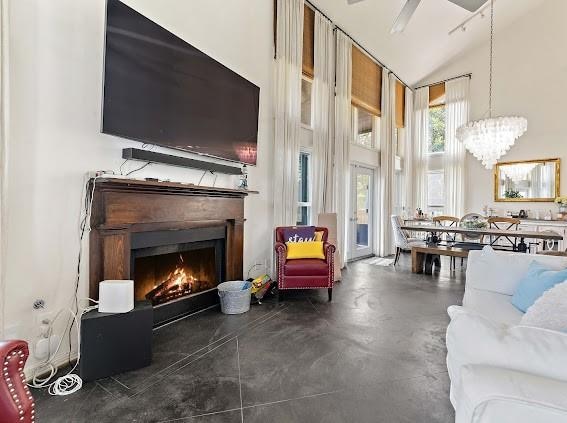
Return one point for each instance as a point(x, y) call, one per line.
point(178, 271)
point(166, 277)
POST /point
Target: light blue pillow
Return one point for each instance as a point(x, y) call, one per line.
point(532, 286)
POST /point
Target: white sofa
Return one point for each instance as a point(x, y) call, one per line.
point(501, 371)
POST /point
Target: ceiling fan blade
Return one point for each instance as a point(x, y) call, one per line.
point(470, 5)
point(353, 1)
point(404, 16)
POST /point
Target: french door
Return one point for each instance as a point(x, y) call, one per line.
point(361, 233)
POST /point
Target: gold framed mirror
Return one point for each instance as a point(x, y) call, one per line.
point(527, 180)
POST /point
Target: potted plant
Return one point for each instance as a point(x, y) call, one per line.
point(562, 203)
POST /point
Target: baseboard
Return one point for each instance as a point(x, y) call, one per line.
point(60, 360)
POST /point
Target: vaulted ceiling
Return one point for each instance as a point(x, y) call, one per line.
point(425, 45)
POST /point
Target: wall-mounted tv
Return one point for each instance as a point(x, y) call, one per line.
point(158, 89)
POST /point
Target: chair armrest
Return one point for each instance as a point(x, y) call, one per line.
point(328, 249)
point(16, 401)
point(281, 253)
point(495, 394)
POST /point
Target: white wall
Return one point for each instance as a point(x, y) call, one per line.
point(56, 79)
point(530, 80)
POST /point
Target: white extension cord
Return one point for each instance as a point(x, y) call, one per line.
point(70, 382)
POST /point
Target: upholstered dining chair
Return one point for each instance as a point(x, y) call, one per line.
point(305, 273)
point(401, 239)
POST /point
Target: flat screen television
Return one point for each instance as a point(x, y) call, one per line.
point(158, 89)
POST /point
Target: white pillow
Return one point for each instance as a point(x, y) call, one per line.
point(473, 339)
point(550, 310)
point(501, 271)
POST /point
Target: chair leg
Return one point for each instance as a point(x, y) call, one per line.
point(280, 295)
point(330, 291)
point(462, 261)
point(397, 258)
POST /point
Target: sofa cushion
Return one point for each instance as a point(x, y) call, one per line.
point(493, 306)
point(535, 282)
point(501, 271)
point(550, 310)
point(474, 339)
point(306, 267)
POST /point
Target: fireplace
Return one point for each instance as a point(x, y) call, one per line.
point(176, 241)
point(171, 269)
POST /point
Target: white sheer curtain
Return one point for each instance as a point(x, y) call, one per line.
point(343, 134)
point(289, 43)
point(323, 101)
point(420, 146)
point(3, 147)
point(408, 151)
point(457, 105)
point(387, 162)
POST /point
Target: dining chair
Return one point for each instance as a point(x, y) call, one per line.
point(504, 223)
point(401, 239)
point(448, 221)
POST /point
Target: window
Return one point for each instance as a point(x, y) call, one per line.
point(304, 189)
point(435, 191)
point(437, 129)
point(366, 128)
point(306, 91)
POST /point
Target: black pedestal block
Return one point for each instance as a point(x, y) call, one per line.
point(115, 343)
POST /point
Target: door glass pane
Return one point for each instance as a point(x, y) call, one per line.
point(362, 211)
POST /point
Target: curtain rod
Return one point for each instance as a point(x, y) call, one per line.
point(468, 75)
point(336, 27)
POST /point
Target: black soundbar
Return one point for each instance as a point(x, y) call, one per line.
point(151, 156)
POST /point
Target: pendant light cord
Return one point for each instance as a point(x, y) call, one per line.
point(491, 58)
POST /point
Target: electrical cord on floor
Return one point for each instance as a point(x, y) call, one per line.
point(70, 382)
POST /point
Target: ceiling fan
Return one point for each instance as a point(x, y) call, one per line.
point(410, 6)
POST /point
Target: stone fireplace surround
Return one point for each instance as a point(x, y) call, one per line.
point(126, 212)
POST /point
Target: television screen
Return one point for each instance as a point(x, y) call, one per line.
point(158, 89)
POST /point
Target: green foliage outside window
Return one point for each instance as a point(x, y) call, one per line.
point(437, 129)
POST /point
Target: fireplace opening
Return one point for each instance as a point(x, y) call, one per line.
point(166, 277)
point(178, 271)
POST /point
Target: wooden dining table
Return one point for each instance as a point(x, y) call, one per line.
point(509, 233)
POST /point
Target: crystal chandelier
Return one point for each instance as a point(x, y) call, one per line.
point(489, 139)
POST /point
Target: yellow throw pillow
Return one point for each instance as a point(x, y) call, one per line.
point(319, 235)
point(303, 250)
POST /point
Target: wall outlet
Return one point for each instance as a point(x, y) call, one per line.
point(43, 317)
point(44, 347)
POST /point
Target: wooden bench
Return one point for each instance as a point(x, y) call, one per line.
point(422, 256)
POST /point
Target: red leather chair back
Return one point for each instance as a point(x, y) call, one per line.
point(16, 401)
point(280, 232)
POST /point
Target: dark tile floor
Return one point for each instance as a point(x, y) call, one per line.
point(375, 354)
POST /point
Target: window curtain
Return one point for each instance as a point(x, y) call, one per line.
point(408, 149)
point(4, 36)
point(387, 162)
point(420, 146)
point(343, 134)
point(323, 100)
point(457, 105)
point(289, 36)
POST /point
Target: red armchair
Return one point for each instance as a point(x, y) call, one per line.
point(16, 401)
point(304, 273)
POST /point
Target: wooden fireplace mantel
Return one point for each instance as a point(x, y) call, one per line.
point(125, 206)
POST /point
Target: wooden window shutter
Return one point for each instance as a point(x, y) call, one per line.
point(436, 94)
point(400, 104)
point(308, 41)
point(366, 82)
